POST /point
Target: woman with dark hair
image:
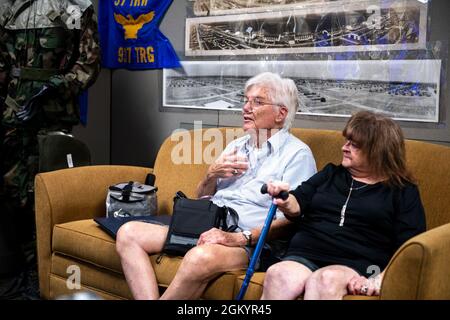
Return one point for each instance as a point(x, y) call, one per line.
point(350, 218)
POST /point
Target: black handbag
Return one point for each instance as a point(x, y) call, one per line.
point(192, 217)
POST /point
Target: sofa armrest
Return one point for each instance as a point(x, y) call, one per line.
point(419, 269)
point(69, 195)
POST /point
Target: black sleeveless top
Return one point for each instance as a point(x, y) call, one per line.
point(378, 220)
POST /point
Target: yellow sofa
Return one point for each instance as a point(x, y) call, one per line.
point(67, 200)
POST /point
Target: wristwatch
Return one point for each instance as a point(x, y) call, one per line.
point(248, 236)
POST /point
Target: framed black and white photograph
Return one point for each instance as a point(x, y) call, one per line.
point(221, 7)
point(338, 26)
point(402, 89)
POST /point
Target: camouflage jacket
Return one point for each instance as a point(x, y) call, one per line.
point(47, 42)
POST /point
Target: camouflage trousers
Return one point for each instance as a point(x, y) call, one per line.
point(20, 164)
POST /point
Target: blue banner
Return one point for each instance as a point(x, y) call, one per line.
point(129, 35)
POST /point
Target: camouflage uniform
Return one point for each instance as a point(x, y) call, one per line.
point(42, 42)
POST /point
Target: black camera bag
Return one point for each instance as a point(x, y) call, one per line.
point(192, 217)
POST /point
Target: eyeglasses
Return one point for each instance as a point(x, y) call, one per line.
point(351, 144)
point(257, 102)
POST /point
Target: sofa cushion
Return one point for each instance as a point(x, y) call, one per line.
point(58, 288)
point(86, 242)
point(100, 279)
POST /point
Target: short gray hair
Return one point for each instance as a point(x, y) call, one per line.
point(282, 91)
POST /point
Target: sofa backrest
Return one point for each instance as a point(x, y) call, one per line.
point(171, 175)
point(430, 163)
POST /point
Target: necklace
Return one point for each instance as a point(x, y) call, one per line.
point(344, 207)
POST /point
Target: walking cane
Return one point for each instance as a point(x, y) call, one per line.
point(262, 238)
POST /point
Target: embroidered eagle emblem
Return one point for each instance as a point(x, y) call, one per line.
point(131, 25)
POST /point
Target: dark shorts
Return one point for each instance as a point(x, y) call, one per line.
point(271, 253)
point(311, 264)
point(306, 262)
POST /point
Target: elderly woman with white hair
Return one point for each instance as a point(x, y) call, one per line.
point(266, 151)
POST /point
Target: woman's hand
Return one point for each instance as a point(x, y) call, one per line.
point(290, 206)
point(360, 285)
point(217, 236)
point(228, 165)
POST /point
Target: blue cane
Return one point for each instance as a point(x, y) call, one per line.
point(259, 245)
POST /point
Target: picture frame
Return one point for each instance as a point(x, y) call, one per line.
point(220, 7)
point(338, 26)
point(406, 90)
